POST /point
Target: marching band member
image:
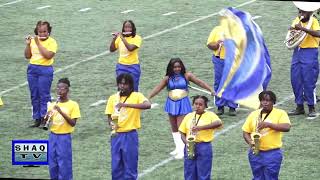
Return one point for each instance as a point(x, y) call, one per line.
point(304, 63)
point(270, 122)
point(178, 103)
point(125, 144)
point(40, 51)
point(201, 124)
point(65, 114)
point(215, 43)
point(128, 43)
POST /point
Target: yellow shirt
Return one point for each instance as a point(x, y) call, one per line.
point(309, 41)
point(37, 59)
point(1, 103)
point(215, 35)
point(270, 139)
point(206, 118)
point(126, 57)
point(59, 124)
point(129, 118)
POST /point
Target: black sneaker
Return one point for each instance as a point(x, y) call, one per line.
point(232, 112)
point(298, 111)
point(220, 111)
point(36, 124)
point(312, 112)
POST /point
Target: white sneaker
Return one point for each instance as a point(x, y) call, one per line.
point(179, 156)
point(174, 152)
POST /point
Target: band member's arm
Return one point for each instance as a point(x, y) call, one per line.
point(309, 31)
point(43, 51)
point(130, 47)
point(199, 82)
point(282, 127)
point(183, 137)
point(27, 50)
point(214, 45)
point(159, 87)
point(247, 138)
point(70, 121)
point(144, 105)
point(109, 120)
point(112, 47)
point(215, 124)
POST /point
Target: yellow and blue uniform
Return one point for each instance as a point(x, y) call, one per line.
point(128, 62)
point(305, 66)
point(218, 63)
point(267, 163)
point(125, 145)
point(199, 167)
point(40, 76)
point(60, 140)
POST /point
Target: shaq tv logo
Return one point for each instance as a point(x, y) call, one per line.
point(29, 152)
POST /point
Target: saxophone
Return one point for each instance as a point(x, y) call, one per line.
point(191, 140)
point(255, 137)
point(115, 116)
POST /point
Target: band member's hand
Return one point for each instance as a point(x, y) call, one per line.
point(263, 125)
point(120, 105)
point(113, 125)
point(213, 93)
point(298, 27)
point(28, 39)
point(115, 34)
point(56, 107)
point(36, 39)
point(195, 129)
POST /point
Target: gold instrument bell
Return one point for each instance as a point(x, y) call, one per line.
point(256, 140)
point(191, 140)
point(295, 37)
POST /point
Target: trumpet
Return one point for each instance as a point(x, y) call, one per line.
point(191, 141)
point(49, 115)
point(115, 117)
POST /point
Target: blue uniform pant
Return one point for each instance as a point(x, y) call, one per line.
point(124, 154)
point(133, 69)
point(199, 168)
point(304, 74)
point(266, 165)
point(218, 70)
point(39, 80)
point(60, 156)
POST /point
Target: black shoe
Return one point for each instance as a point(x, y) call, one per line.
point(299, 110)
point(312, 112)
point(36, 124)
point(232, 112)
point(220, 111)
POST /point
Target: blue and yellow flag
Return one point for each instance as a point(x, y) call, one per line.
point(247, 69)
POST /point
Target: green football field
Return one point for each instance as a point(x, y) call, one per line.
point(169, 29)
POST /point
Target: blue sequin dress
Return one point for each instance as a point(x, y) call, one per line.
point(181, 106)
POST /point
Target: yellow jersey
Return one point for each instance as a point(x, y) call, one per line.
point(216, 35)
point(270, 139)
point(206, 118)
point(309, 41)
point(37, 59)
point(127, 57)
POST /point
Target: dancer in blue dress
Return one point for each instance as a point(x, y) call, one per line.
point(178, 103)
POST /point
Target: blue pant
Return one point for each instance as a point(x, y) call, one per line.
point(133, 69)
point(266, 165)
point(124, 154)
point(218, 70)
point(199, 168)
point(60, 156)
point(304, 74)
point(39, 80)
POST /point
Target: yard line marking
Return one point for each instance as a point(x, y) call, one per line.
point(43, 7)
point(255, 17)
point(12, 2)
point(127, 11)
point(108, 52)
point(98, 103)
point(221, 132)
point(84, 9)
point(169, 13)
point(311, 118)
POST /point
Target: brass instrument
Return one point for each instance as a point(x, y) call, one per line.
point(191, 140)
point(114, 117)
point(49, 115)
point(255, 137)
point(295, 37)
